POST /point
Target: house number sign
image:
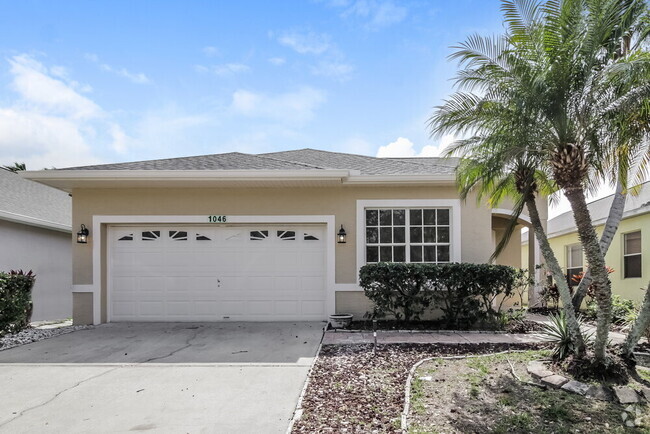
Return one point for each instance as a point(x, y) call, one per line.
point(217, 218)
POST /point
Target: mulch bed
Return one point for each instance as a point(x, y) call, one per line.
point(352, 390)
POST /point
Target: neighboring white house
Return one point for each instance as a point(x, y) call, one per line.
point(35, 235)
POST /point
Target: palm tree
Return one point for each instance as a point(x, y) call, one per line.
point(585, 102)
point(501, 159)
point(17, 167)
point(593, 94)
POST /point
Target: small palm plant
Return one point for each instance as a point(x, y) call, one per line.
point(557, 333)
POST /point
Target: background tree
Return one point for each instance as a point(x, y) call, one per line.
point(16, 167)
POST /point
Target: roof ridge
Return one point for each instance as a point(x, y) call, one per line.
point(289, 161)
point(367, 157)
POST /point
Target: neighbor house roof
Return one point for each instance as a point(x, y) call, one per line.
point(599, 210)
point(304, 167)
point(34, 204)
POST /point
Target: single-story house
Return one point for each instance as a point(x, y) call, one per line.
point(35, 234)
point(628, 255)
point(256, 237)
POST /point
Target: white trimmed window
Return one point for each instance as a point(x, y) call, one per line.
point(407, 235)
point(632, 254)
point(574, 264)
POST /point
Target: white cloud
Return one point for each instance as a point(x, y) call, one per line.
point(403, 147)
point(230, 69)
point(376, 13)
point(135, 77)
point(337, 70)
point(44, 93)
point(49, 123)
point(306, 43)
point(298, 106)
point(277, 61)
point(210, 51)
point(224, 70)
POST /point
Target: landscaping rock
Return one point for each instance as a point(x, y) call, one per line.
point(576, 387)
point(29, 335)
point(645, 392)
point(642, 359)
point(626, 395)
point(555, 381)
point(600, 393)
point(538, 369)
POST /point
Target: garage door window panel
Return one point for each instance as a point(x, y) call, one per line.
point(408, 235)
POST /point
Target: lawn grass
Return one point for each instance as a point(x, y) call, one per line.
point(482, 395)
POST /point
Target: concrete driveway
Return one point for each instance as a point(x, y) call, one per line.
point(177, 378)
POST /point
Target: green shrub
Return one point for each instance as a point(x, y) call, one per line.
point(466, 293)
point(622, 309)
point(15, 300)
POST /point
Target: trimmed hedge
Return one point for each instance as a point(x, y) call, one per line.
point(15, 300)
point(466, 293)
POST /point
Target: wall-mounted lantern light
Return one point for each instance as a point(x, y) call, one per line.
point(341, 236)
point(82, 235)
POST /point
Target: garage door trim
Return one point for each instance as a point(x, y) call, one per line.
point(101, 224)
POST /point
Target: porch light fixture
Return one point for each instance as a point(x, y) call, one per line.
point(82, 235)
point(341, 236)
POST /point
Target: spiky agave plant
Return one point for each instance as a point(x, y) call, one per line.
point(557, 333)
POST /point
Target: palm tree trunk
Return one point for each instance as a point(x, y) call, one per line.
point(602, 285)
point(640, 325)
point(558, 276)
point(611, 226)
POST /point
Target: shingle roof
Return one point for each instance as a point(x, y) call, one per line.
point(24, 198)
point(364, 164)
point(302, 159)
point(228, 161)
point(599, 210)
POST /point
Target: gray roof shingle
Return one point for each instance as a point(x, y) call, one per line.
point(599, 210)
point(228, 161)
point(22, 197)
point(302, 159)
point(368, 165)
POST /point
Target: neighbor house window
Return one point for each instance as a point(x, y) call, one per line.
point(574, 263)
point(408, 235)
point(632, 254)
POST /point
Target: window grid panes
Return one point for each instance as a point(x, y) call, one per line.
point(632, 254)
point(408, 235)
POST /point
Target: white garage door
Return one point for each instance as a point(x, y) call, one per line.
point(203, 273)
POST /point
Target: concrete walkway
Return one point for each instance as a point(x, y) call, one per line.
point(344, 337)
point(441, 337)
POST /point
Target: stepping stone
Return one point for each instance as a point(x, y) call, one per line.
point(538, 370)
point(576, 387)
point(645, 392)
point(626, 395)
point(600, 393)
point(555, 381)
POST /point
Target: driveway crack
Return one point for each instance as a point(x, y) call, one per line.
point(56, 395)
point(188, 343)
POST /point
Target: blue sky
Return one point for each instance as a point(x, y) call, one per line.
point(89, 82)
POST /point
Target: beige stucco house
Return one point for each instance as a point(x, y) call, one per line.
point(254, 237)
point(35, 235)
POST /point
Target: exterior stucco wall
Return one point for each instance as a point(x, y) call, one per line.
point(341, 201)
point(630, 288)
point(48, 253)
